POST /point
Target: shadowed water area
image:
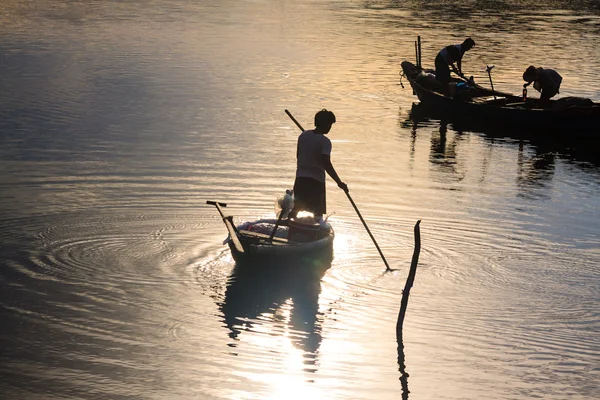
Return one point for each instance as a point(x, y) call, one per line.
point(119, 120)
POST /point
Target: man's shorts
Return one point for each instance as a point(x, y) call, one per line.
point(309, 195)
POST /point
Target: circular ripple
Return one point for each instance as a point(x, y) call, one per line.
point(143, 248)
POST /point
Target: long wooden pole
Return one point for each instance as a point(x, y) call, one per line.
point(353, 205)
point(387, 267)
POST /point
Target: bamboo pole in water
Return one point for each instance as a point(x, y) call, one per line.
point(403, 304)
point(409, 283)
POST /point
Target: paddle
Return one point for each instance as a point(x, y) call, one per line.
point(228, 221)
point(353, 205)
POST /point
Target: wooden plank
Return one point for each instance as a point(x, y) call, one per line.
point(521, 103)
point(258, 235)
point(487, 99)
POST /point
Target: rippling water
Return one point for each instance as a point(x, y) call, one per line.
point(118, 120)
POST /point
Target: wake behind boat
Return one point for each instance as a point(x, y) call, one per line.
point(277, 239)
point(469, 103)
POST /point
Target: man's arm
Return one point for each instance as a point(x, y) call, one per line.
point(455, 70)
point(332, 173)
point(456, 56)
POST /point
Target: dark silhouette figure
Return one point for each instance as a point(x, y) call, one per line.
point(545, 80)
point(313, 156)
point(445, 59)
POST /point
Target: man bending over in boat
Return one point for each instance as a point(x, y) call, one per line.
point(545, 80)
point(446, 59)
point(313, 155)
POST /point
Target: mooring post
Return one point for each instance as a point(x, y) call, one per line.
point(403, 305)
point(409, 282)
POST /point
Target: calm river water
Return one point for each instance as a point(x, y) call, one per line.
point(119, 120)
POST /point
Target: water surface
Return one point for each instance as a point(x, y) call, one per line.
point(118, 120)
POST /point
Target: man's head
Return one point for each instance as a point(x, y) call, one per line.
point(323, 120)
point(529, 74)
point(468, 44)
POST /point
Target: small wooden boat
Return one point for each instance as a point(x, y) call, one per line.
point(276, 239)
point(472, 103)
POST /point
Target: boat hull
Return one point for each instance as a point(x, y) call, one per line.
point(485, 108)
point(260, 249)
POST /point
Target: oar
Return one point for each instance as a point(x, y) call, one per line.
point(228, 221)
point(353, 205)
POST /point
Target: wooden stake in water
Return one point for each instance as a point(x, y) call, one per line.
point(403, 305)
point(409, 282)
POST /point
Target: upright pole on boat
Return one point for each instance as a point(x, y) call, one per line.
point(488, 68)
point(416, 54)
point(353, 205)
point(276, 226)
point(419, 52)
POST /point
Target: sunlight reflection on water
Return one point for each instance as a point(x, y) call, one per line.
point(119, 121)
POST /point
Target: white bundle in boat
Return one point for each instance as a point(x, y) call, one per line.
point(284, 204)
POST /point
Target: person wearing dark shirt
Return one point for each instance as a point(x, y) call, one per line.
point(446, 59)
point(545, 80)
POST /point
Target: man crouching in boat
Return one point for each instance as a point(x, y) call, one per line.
point(313, 156)
point(545, 80)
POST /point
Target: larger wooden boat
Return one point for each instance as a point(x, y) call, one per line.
point(466, 102)
point(276, 239)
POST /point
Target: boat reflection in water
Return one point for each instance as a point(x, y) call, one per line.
point(537, 152)
point(258, 294)
point(569, 145)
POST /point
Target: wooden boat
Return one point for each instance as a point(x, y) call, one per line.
point(471, 103)
point(276, 239)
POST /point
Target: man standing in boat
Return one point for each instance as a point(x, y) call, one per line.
point(313, 156)
point(545, 80)
point(446, 59)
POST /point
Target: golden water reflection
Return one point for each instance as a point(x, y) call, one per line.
point(279, 300)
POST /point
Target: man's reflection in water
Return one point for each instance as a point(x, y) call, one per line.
point(535, 172)
point(259, 289)
point(443, 152)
